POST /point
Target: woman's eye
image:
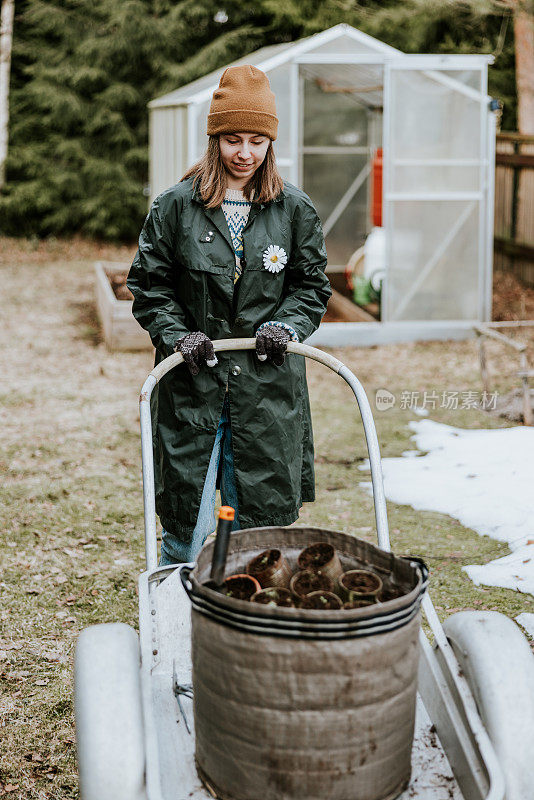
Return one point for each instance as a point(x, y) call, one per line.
point(236, 141)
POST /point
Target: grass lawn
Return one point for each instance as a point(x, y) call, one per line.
point(71, 498)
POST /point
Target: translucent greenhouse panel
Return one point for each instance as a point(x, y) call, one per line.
point(201, 112)
point(435, 178)
point(167, 157)
point(280, 82)
point(285, 171)
point(347, 119)
point(349, 44)
point(434, 255)
point(336, 157)
point(327, 177)
point(426, 178)
point(469, 77)
point(431, 119)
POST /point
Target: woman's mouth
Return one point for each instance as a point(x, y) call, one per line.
point(242, 166)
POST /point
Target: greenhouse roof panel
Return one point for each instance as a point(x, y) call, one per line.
point(186, 94)
point(334, 43)
point(351, 40)
point(323, 43)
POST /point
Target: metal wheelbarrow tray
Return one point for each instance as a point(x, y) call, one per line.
point(474, 734)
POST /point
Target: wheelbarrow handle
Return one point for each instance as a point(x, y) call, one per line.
point(221, 345)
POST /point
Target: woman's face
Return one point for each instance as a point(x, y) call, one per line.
point(242, 154)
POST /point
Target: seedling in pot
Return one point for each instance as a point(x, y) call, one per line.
point(321, 601)
point(304, 582)
point(270, 568)
point(274, 596)
point(320, 557)
point(357, 584)
point(241, 587)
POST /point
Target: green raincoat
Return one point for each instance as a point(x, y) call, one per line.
point(182, 281)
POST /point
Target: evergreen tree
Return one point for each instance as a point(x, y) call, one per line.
point(84, 74)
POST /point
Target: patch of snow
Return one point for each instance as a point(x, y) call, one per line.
point(484, 479)
point(527, 622)
point(515, 571)
point(420, 411)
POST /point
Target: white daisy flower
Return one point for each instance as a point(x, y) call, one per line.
point(274, 258)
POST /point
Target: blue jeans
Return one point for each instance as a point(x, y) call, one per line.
point(172, 549)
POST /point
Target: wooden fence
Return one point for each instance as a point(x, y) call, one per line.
point(514, 206)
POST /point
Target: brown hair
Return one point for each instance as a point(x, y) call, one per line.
point(209, 171)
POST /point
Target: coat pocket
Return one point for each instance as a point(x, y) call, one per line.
point(206, 266)
point(268, 255)
point(203, 253)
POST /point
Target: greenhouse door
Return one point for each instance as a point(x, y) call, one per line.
point(340, 129)
point(436, 178)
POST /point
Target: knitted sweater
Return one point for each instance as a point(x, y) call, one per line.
point(236, 209)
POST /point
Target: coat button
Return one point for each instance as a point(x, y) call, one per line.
point(243, 261)
point(236, 370)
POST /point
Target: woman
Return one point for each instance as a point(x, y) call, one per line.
point(231, 251)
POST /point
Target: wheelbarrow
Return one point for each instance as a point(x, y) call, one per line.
point(474, 731)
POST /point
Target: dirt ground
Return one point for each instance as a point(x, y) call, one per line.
point(511, 298)
point(71, 498)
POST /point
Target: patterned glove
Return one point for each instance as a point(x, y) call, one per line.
point(271, 343)
point(196, 348)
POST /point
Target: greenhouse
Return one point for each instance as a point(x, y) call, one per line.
point(396, 152)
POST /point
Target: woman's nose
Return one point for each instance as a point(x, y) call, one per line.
point(244, 152)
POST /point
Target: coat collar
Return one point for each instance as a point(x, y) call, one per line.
point(197, 198)
point(217, 217)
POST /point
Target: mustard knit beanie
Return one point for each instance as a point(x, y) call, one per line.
point(243, 101)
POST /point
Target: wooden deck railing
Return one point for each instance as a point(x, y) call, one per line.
point(514, 206)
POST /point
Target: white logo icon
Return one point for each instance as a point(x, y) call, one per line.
point(384, 399)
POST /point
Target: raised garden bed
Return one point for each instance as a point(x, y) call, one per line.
point(114, 304)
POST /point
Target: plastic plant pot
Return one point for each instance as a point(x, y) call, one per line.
point(274, 596)
point(357, 584)
point(321, 601)
point(320, 557)
point(270, 569)
point(241, 587)
point(304, 582)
